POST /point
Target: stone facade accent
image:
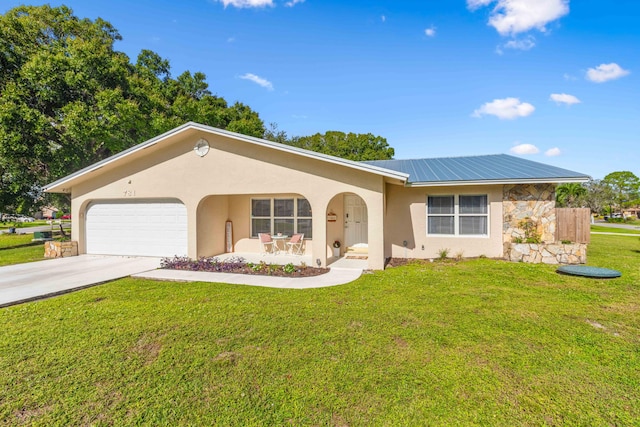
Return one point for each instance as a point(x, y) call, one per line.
point(535, 203)
point(547, 253)
point(60, 249)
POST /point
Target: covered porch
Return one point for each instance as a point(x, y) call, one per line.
point(230, 225)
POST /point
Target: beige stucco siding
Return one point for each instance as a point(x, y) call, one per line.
point(406, 220)
point(220, 185)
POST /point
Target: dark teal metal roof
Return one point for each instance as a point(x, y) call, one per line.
point(497, 168)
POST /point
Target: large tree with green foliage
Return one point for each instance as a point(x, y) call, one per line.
point(352, 146)
point(625, 186)
point(69, 99)
point(598, 196)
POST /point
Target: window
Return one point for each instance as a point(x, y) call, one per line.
point(463, 215)
point(280, 215)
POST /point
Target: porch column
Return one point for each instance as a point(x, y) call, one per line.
point(375, 210)
point(319, 224)
point(192, 229)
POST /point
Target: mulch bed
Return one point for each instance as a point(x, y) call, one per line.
point(240, 267)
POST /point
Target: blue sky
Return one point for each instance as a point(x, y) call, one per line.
point(554, 81)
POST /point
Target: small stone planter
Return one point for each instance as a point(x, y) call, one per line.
point(60, 249)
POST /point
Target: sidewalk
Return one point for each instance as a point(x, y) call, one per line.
point(335, 276)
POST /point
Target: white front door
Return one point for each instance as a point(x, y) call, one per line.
point(144, 228)
point(355, 221)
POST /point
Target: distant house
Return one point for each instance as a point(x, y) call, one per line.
point(174, 194)
point(47, 212)
point(631, 212)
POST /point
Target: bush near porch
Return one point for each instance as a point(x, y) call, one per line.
point(444, 343)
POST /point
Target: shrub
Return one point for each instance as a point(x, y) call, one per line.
point(289, 268)
point(530, 228)
point(443, 253)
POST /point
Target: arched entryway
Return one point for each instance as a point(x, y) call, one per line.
point(347, 223)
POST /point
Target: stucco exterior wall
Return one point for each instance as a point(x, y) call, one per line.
point(406, 220)
point(234, 169)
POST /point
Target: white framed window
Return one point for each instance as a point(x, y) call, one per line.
point(281, 215)
point(458, 215)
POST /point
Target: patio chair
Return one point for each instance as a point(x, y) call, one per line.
point(295, 244)
point(268, 245)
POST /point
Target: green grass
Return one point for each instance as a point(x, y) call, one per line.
point(605, 229)
point(478, 342)
point(19, 248)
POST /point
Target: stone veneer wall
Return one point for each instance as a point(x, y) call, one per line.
point(60, 249)
point(547, 253)
point(536, 203)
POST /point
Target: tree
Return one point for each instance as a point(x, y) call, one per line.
point(625, 186)
point(349, 146)
point(570, 195)
point(598, 196)
point(63, 98)
point(68, 99)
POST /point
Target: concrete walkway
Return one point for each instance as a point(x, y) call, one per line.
point(335, 276)
point(41, 279)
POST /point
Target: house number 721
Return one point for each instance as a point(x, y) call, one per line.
point(129, 193)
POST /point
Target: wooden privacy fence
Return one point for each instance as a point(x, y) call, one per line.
point(573, 224)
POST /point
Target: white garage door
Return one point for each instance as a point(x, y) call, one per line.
point(149, 228)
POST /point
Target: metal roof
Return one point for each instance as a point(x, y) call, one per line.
point(489, 169)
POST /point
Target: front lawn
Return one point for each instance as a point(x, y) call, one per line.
point(479, 342)
point(19, 248)
point(605, 229)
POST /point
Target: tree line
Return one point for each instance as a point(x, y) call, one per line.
point(612, 194)
point(69, 99)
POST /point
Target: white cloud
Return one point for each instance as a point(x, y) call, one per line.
point(258, 80)
point(553, 152)
point(511, 17)
point(524, 149)
point(247, 3)
point(569, 77)
point(431, 31)
point(475, 4)
point(383, 18)
point(293, 3)
point(522, 44)
point(606, 72)
point(563, 98)
point(507, 108)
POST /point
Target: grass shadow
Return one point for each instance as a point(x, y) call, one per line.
point(23, 245)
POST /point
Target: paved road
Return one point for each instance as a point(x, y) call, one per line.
point(30, 230)
point(618, 225)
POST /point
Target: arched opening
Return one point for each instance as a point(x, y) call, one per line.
point(348, 224)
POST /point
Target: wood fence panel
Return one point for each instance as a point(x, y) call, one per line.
point(573, 224)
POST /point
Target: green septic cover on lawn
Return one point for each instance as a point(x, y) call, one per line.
point(586, 271)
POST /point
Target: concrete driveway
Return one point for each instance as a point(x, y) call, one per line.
point(34, 280)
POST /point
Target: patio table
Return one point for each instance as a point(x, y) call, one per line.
point(277, 238)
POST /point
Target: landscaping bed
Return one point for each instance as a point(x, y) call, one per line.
point(239, 265)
